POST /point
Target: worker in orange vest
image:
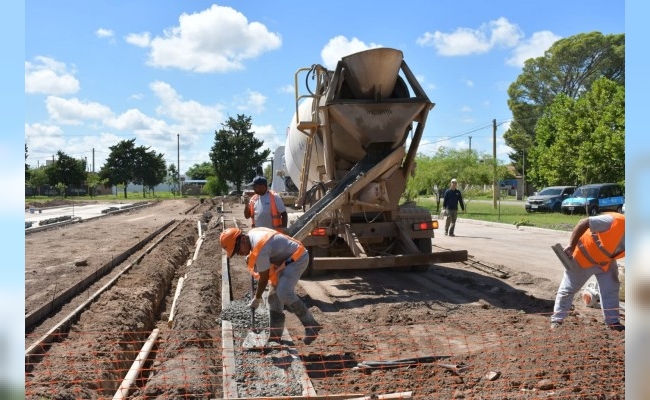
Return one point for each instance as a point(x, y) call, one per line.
point(277, 260)
point(595, 245)
point(266, 208)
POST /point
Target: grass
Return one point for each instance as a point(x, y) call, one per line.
point(131, 196)
point(515, 214)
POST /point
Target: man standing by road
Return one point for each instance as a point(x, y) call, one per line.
point(450, 202)
point(266, 208)
point(596, 243)
point(279, 260)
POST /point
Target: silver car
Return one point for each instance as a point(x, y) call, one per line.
point(549, 199)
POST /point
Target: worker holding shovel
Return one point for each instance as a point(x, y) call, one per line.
point(278, 260)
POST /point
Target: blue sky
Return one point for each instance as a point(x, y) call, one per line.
point(103, 71)
point(170, 73)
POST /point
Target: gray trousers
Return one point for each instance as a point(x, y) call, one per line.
point(575, 279)
point(285, 292)
point(450, 221)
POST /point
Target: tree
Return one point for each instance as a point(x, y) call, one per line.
point(570, 67)
point(38, 178)
point(582, 141)
point(433, 174)
point(149, 168)
point(173, 178)
point(93, 180)
point(26, 165)
point(235, 153)
point(66, 172)
point(201, 171)
point(120, 165)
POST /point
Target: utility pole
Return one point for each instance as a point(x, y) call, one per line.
point(495, 184)
point(178, 161)
point(523, 175)
point(470, 145)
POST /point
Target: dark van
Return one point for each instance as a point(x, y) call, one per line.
point(595, 198)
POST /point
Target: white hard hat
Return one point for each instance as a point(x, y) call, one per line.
point(454, 180)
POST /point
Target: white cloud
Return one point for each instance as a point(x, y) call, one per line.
point(469, 83)
point(253, 101)
point(191, 115)
point(104, 33)
point(466, 109)
point(466, 41)
point(47, 76)
point(138, 39)
point(269, 135)
point(532, 48)
point(287, 89)
point(339, 47)
point(218, 39)
point(74, 111)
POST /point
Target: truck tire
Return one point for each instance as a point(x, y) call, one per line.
point(425, 246)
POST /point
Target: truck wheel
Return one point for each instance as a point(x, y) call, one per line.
point(425, 246)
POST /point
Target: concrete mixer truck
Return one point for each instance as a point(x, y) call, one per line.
point(350, 149)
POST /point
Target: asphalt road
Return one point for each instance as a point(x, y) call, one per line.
point(525, 248)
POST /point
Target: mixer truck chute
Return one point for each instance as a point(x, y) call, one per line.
point(349, 153)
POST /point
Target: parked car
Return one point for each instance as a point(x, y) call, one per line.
point(595, 198)
point(549, 199)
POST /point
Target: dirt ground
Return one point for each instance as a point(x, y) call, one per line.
point(458, 332)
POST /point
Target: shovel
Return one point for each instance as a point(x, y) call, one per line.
point(256, 338)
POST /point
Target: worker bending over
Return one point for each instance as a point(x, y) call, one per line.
point(279, 260)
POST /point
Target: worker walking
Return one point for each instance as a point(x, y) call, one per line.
point(450, 202)
point(266, 208)
point(595, 245)
point(279, 260)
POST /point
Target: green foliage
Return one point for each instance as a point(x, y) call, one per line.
point(235, 154)
point(582, 140)
point(37, 178)
point(129, 164)
point(173, 179)
point(66, 171)
point(433, 174)
point(570, 67)
point(201, 171)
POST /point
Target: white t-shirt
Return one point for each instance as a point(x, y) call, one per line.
point(262, 210)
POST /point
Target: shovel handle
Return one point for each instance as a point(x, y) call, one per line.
point(252, 297)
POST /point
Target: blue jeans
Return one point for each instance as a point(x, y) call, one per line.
point(575, 279)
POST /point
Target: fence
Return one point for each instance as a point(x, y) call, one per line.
point(514, 358)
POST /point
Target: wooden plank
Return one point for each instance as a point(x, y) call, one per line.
point(228, 368)
point(402, 260)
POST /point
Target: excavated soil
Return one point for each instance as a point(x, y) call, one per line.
point(459, 333)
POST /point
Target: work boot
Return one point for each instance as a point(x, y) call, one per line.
point(276, 326)
point(312, 327)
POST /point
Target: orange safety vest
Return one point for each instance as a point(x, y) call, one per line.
point(276, 218)
point(275, 270)
point(600, 248)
